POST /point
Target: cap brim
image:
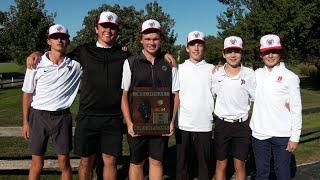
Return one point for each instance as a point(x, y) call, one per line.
point(108, 23)
point(150, 30)
point(196, 40)
point(233, 47)
point(58, 33)
point(270, 48)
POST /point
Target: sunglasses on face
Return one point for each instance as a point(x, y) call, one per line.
point(59, 36)
point(109, 25)
point(273, 52)
point(235, 50)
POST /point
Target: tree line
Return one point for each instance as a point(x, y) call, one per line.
point(23, 29)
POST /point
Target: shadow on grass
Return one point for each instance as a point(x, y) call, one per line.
point(311, 83)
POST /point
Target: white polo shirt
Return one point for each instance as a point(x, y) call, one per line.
point(270, 117)
point(233, 94)
point(54, 87)
point(196, 99)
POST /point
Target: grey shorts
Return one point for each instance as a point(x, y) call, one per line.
point(54, 124)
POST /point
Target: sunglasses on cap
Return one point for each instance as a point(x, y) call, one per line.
point(59, 36)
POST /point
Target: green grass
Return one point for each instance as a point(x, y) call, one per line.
point(11, 107)
point(11, 67)
point(308, 149)
point(310, 99)
point(11, 111)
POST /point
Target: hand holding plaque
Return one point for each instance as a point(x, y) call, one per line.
point(151, 110)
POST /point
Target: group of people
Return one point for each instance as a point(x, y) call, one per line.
point(208, 103)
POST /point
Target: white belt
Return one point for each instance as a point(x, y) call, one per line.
point(243, 119)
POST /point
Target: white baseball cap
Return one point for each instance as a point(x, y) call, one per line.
point(150, 24)
point(108, 17)
point(58, 29)
point(270, 41)
point(195, 35)
point(233, 42)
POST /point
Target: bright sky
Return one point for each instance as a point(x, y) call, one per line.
point(188, 15)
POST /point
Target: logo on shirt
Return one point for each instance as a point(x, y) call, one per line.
point(45, 70)
point(242, 81)
point(279, 80)
point(164, 68)
point(69, 67)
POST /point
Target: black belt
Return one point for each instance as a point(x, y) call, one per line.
point(56, 113)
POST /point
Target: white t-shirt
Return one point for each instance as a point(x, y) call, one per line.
point(54, 87)
point(233, 93)
point(196, 99)
point(270, 117)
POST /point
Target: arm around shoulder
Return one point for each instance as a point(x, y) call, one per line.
point(33, 59)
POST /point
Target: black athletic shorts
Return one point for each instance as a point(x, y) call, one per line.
point(142, 147)
point(54, 124)
point(232, 139)
point(98, 134)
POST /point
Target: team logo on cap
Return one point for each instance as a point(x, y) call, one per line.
point(270, 42)
point(233, 41)
point(110, 18)
point(151, 24)
point(196, 34)
point(59, 28)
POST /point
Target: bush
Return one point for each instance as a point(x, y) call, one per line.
point(307, 69)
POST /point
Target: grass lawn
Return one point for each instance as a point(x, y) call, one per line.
point(308, 149)
point(10, 115)
point(310, 99)
point(11, 107)
point(11, 67)
point(11, 111)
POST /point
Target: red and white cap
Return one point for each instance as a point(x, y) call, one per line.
point(108, 17)
point(150, 24)
point(58, 29)
point(233, 42)
point(195, 35)
point(270, 42)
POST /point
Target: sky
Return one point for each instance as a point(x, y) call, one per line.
point(198, 15)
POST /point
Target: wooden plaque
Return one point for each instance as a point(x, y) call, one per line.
point(151, 110)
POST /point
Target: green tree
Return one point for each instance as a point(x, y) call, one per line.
point(296, 22)
point(4, 53)
point(26, 28)
point(180, 53)
point(213, 52)
point(154, 11)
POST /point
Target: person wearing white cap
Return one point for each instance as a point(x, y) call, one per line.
point(234, 86)
point(49, 91)
point(99, 119)
point(193, 130)
point(147, 69)
point(276, 118)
